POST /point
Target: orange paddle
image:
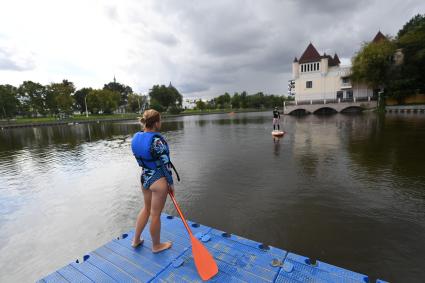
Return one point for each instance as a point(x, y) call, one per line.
point(204, 262)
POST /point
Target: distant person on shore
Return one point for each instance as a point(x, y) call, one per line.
point(152, 153)
point(276, 119)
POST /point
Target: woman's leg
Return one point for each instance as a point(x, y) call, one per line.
point(159, 196)
point(142, 218)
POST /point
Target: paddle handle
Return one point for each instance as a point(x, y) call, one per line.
point(180, 212)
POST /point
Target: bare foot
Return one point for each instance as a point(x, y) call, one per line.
point(137, 242)
point(161, 247)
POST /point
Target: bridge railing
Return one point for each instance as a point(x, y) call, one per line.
point(328, 101)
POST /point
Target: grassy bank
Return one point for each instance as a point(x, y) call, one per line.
point(74, 118)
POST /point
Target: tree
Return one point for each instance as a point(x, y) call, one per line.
point(58, 97)
point(32, 97)
point(200, 105)
point(121, 89)
point(167, 97)
point(372, 63)
point(80, 97)
point(223, 101)
point(154, 104)
point(8, 101)
point(243, 100)
point(102, 100)
point(236, 101)
point(411, 41)
point(136, 102)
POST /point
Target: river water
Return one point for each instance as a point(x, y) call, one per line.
point(345, 189)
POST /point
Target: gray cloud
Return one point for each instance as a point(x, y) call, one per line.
point(165, 38)
point(250, 45)
point(13, 62)
point(192, 87)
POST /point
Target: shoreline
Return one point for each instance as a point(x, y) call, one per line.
point(110, 118)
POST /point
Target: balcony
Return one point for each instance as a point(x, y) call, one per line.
point(346, 85)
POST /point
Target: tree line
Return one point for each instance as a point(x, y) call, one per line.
point(32, 99)
point(395, 65)
point(242, 100)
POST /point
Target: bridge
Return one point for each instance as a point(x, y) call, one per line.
point(329, 105)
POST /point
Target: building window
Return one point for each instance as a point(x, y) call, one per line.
point(309, 84)
point(302, 68)
point(349, 94)
point(345, 80)
point(339, 94)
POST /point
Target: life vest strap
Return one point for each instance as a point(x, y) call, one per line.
point(175, 171)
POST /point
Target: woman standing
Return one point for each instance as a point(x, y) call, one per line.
point(152, 153)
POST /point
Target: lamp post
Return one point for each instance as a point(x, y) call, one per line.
point(85, 102)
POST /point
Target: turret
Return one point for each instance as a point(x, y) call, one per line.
point(324, 64)
point(295, 69)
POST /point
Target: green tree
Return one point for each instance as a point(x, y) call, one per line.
point(136, 102)
point(58, 97)
point(168, 98)
point(244, 100)
point(411, 41)
point(102, 100)
point(80, 97)
point(236, 101)
point(200, 105)
point(121, 89)
point(223, 101)
point(8, 101)
point(154, 104)
point(32, 96)
point(372, 64)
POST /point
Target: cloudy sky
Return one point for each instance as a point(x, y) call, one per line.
point(203, 47)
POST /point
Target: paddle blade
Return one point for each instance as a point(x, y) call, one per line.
point(204, 262)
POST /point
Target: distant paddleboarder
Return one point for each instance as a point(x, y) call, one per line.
point(276, 118)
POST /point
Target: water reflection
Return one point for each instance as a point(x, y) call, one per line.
point(340, 188)
point(276, 142)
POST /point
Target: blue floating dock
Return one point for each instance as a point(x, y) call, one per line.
point(238, 259)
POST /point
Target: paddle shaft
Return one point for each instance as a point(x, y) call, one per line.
point(180, 213)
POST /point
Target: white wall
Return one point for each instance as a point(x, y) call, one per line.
point(326, 82)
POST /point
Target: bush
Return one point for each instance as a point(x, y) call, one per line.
point(175, 110)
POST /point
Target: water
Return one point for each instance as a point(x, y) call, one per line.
point(348, 190)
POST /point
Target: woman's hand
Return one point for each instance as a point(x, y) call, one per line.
point(171, 189)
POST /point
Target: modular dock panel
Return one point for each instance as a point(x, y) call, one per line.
point(238, 259)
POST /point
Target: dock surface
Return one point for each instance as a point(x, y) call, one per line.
point(238, 259)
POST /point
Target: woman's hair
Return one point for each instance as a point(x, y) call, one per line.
point(149, 118)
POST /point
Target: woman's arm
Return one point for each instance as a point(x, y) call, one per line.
point(159, 150)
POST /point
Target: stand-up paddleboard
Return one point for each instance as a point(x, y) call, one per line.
point(277, 133)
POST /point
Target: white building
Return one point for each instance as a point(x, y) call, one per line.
point(319, 77)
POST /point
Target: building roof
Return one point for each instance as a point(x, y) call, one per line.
point(310, 55)
point(336, 59)
point(295, 60)
point(332, 61)
point(378, 37)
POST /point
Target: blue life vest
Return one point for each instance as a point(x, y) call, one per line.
point(141, 145)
